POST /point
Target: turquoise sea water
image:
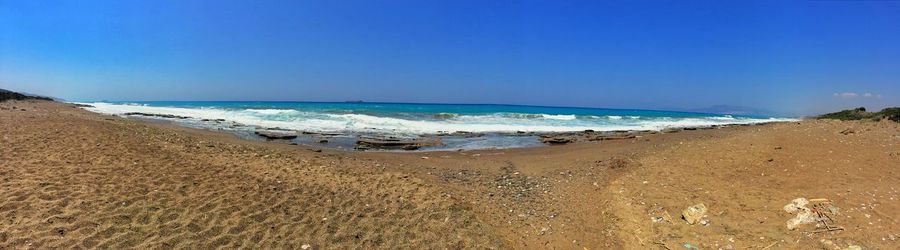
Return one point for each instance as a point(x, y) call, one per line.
point(410, 120)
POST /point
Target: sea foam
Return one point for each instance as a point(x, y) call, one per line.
point(501, 122)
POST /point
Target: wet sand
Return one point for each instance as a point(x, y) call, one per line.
point(74, 179)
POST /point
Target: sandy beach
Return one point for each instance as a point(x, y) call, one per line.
point(70, 178)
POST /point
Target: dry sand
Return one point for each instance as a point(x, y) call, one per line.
point(74, 179)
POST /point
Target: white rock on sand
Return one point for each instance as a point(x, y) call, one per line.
point(694, 213)
point(804, 215)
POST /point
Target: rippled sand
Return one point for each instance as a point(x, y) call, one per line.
point(74, 179)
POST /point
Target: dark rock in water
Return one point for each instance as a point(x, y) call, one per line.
point(323, 141)
point(272, 134)
point(83, 106)
point(444, 116)
point(690, 128)
point(618, 137)
point(467, 134)
point(396, 143)
point(557, 140)
point(320, 133)
point(156, 115)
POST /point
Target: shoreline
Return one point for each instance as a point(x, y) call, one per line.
point(73, 178)
point(379, 141)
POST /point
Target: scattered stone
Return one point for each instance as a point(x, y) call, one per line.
point(694, 213)
point(323, 141)
point(704, 222)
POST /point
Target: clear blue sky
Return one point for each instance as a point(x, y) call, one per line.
point(787, 56)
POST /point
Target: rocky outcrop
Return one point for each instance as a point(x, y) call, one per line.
point(557, 139)
point(589, 135)
point(365, 143)
point(276, 134)
point(156, 115)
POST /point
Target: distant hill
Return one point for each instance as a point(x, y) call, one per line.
point(860, 113)
point(10, 95)
point(732, 110)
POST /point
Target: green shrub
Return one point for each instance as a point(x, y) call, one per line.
point(860, 113)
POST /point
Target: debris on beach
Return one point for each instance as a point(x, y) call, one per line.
point(848, 131)
point(803, 214)
point(694, 214)
point(822, 212)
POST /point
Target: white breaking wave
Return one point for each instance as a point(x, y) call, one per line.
point(560, 117)
point(273, 111)
point(321, 122)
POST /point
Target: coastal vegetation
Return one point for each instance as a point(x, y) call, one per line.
point(9, 95)
point(860, 113)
